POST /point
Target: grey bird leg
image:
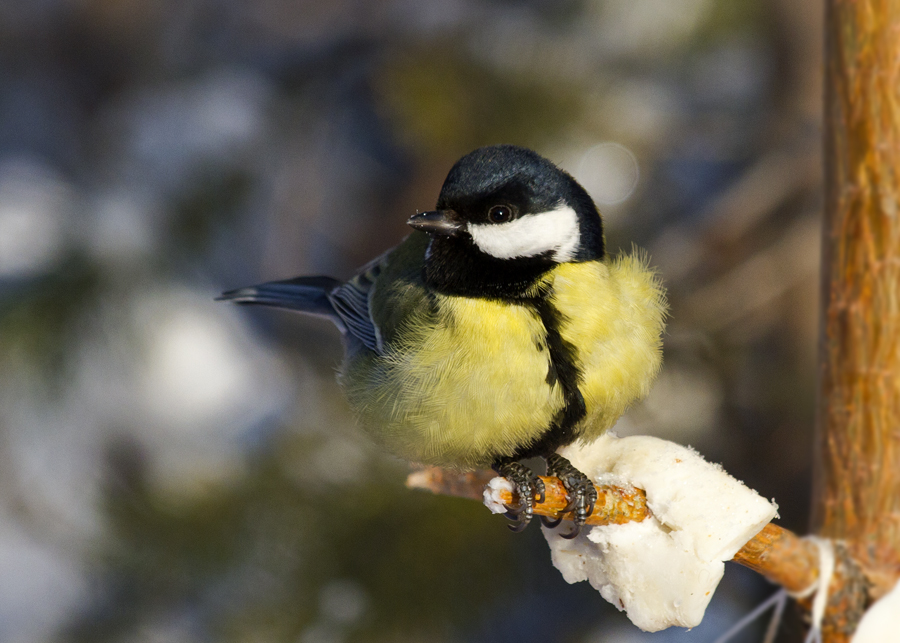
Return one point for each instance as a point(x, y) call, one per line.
point(579, 488)
point(529, 488)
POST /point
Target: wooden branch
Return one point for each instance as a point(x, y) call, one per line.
point(614, 506)
point(782, 557)
point(778, 554)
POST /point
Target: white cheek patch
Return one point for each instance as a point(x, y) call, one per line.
point(554, 231)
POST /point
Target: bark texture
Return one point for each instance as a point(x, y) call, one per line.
point(858, 476)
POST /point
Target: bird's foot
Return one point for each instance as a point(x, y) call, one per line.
point(580, 490)
point(529, 489)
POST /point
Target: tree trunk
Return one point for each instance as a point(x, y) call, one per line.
point(858, 476)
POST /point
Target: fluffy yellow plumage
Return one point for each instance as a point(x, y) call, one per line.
point(464, 380)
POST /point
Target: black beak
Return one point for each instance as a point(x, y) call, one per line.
point(437, 222)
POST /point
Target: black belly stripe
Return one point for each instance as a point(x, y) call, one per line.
point(564, 369)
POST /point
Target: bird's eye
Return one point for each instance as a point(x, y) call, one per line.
point(500, 214)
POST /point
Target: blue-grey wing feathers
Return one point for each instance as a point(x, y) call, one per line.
point(304, 294)
point(346, 304)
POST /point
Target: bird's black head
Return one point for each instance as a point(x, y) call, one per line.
point(504, 217)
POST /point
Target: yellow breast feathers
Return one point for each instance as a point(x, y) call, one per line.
point(466, 380)
point(462, 386)
point(614, 314)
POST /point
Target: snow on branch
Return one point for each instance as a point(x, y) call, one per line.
point(655, 499)
point(779, 554)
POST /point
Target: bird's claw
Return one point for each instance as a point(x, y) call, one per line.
point(579, 488)
point(529, 489)
point(551, 523)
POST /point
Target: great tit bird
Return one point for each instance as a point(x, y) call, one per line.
point(499, 330)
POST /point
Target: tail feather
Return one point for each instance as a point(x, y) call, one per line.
point(303, 294)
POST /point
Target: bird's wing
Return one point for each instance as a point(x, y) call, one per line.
point(396, 277)
point(351, 303)
point(347, 305)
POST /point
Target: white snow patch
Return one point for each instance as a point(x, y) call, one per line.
point(881, 622)
point(662, 571)
point(492, 494)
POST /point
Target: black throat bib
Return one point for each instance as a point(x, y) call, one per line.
point(454, 266)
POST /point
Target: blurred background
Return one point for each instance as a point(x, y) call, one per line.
point(178, 470)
